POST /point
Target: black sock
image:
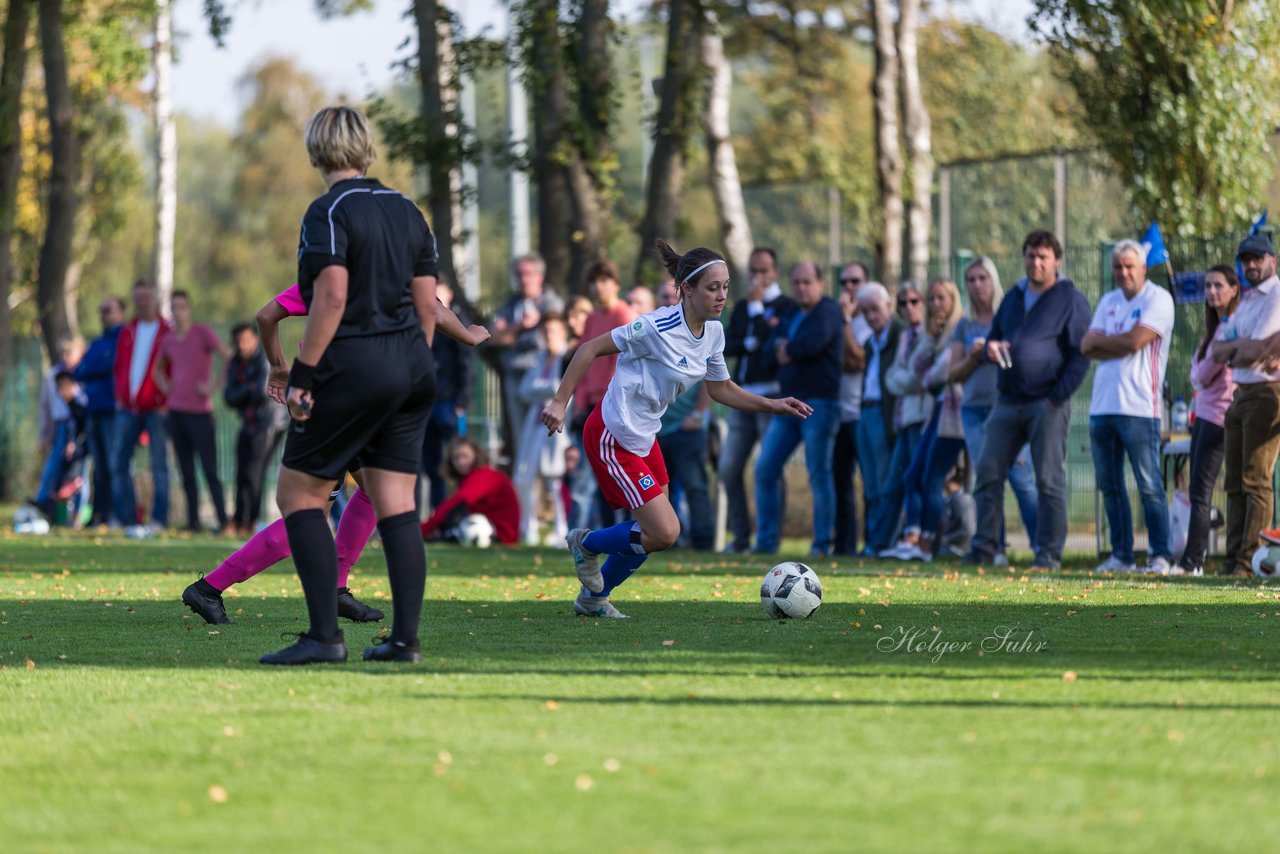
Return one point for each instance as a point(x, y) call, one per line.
point(407, 571)
point(316, 559)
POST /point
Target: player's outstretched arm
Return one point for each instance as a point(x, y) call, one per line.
point(328, 304)
point(553, 412)
point(734, 396)
point(448, 323)
point(269, 317)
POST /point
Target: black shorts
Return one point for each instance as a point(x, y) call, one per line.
point(371, 401)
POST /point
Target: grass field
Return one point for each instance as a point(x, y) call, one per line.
point(1147, 720)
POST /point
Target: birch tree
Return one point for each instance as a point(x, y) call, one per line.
point(919, 146)
point(889, 163)
point(166, 155)
point(726, 186)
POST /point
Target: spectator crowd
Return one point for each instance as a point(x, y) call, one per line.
point(931, 399)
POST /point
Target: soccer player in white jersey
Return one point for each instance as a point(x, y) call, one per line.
point(662, 354)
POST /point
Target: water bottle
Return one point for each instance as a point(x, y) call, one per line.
point(1178, 417)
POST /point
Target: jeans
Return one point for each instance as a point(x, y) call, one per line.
point(874, 454)
point(904, 445)
point(745, 429)
point(442, 427)
point(101, 428)
point(933, 457)
point(1251, 442)
point(685, 453)
point(818, 432)
point(1010, 426)
point(1020, 476)
point(55, 466)
point(129, 427)
point(845, 464)
point(192, 434)
point(1111, 439)
point(1206, 462)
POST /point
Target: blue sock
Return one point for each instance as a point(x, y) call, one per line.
point(620, 539)
point(617, 569)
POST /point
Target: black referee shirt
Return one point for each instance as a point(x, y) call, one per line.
point(382, 239)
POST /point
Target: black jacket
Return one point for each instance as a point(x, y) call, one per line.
point(815, 349)
point(1045, 343)
point(754, 364)
point(887, 401)
point(454, 364)
point(246, 392)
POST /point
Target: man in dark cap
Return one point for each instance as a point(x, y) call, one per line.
point(1253, 420)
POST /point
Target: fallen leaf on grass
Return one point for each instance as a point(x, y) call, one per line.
point(31, 665)
point(217, 794)
point(1070, 676)
point(584, 782)
point(668, 643)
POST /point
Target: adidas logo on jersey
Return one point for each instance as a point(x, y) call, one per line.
point(684, 363)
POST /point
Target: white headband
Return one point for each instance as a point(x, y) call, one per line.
point(700, 269)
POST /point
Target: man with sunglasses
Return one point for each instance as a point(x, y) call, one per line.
point(751, 325)
point(845, 458)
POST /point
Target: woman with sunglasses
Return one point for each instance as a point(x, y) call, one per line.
point(913, 406)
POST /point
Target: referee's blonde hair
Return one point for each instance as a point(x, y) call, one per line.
point(338, 138)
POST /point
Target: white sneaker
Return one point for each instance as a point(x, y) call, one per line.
point(138, 532)
point(1000, 560)
point(1179, 569)
point(1158, 566)
point(597, 606)
point(893, 552)
point(912, 551)
point(585, 562)
point(1114, 564)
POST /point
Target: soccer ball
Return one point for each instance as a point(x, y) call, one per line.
point(476, 531)
point(790, 590)
point(29, 520)
point(1265, 560)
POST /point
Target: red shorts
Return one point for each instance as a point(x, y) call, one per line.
point(626, 480)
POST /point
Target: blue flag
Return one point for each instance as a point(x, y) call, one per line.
point(1253, 229)
point(1157, 254)
point(1258, 223)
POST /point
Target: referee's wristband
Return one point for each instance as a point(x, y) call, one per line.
point(302, 376)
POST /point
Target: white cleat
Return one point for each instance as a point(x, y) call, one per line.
point(596, 606)
point(1158, 566)
point(585, 562)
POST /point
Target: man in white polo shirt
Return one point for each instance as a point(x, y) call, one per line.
point(1129, 338)
point(1253, 420)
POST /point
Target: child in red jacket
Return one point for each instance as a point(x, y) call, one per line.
point(481, 489)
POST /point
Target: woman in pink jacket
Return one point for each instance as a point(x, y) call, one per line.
point(1214, 390)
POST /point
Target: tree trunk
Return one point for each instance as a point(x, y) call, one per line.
point(677, 111)
point(726, 187)
point(586, 170)
point(166, 156)
point(888, 149)
point(440, 125)
point(544, 64)
point(17, 27)
point(64, 182)
point(920, 213)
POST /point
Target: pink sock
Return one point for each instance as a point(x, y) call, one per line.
point(265, 548)
point(354, 530)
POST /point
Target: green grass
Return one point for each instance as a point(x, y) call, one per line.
point(698, 724)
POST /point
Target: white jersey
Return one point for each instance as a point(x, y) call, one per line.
point(660, 359)
point(1132, 385)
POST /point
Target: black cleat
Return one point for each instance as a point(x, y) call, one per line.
point(391, 650)
point(355, 610)
point(308, 650)
point(206, 600)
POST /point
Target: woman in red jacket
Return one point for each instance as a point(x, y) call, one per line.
point(481, 489)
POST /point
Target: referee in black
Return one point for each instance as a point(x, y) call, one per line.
point(361, 389)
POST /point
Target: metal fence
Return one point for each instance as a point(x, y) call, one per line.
point(1087, 266)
